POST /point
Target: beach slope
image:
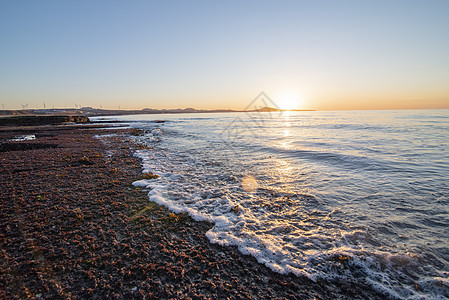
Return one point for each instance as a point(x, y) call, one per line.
point(73, 226)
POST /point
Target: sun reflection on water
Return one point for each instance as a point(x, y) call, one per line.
point(284, 166)
point(286, 144)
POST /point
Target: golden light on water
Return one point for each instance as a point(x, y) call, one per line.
point(284, 167)
point(249, 184)
point(286, 116)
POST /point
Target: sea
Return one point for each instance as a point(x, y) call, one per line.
point(357, 196)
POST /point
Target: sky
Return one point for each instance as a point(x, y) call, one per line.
point(374, 54)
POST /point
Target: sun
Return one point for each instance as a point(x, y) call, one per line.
point(287, 104)
point(288, 101)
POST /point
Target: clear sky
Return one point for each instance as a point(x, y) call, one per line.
point(344, 54)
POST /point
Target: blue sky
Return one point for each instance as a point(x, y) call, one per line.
point(211, 54)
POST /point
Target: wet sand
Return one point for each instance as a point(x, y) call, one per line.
point(73, 226)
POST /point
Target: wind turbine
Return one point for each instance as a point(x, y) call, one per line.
point(3, 106)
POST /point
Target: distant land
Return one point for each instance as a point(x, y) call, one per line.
point(89, 111)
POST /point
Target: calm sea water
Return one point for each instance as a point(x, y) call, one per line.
point(354, 195)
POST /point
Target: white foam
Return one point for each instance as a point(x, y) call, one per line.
point(140, 183)
point(28, 137)
point(156, 132)
point(437, 287)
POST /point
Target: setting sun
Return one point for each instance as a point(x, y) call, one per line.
point(289, 101)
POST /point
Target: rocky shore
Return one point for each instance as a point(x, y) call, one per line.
point(41, 120)
point(72, 226)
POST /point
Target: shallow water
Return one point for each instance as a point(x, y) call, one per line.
point(355, 195)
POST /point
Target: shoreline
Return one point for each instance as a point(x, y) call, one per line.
point(73, 226)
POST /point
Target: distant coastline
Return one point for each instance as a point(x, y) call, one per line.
point(89, 111)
